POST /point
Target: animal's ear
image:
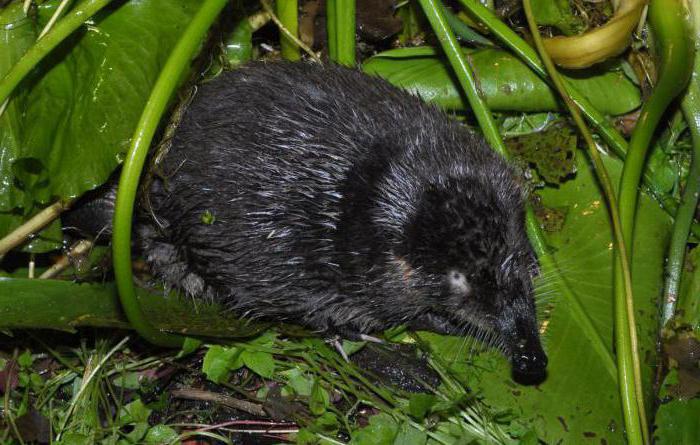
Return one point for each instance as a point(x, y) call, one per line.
point(457, 283)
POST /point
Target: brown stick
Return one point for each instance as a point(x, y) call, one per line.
point(222, 399)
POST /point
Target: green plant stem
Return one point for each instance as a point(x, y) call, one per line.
point(689, 200)
point(47, 43)
point(673, 38)
point(287, 12)
point(465, 31)
point(341, 31)
point(167, 82)
point(433, 12)
point(331, 29)
point(490, 130)
point(629, 376)
point(612, 137)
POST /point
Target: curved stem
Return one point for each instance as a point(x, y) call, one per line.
point(47, 43)
point(167, 82)
point(612, 137)
point(477, 104)
point(629, 379)
point(689, 200)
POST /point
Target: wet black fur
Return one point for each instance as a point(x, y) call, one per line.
point(343, 204)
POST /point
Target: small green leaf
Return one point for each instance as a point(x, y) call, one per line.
point(306, 437)
point(326, 423)
point(557, 13)
point(420, 404)
point(351, 347)
point(299, 382)
point(208, 218)
point(382, 430)
point(134, 412)
point(320, 400)
point(25, 359)
point(409, 435)
point(128, 380)
point(189, 346)
point(266, 339)
point(161, 434)
point(219, 361)
point(138, 432)
point(71, 438)
point(261, 363)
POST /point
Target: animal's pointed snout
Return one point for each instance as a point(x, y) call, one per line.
point(529, 361)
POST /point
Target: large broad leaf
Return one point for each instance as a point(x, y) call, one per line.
point(17, 34)
point(80, 106)
point(579, 399)
point(504, 81)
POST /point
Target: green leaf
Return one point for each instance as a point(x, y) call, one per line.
point(506, 83)
point(557, 13)
point(71, 121)
point(319, 400)
point(351, 347)
point(261, 363)
point(677, 423)
point(579, 399)
point(127, 380)
point(408, 435)
point(676, 419)
point(382, 430)
point(300, 383)
point(219, 361)
point(551, 152)
point(420, 404)
point(189, 346)
point(17, 34)
point(161, 434)
point(133, 412)
point(306, 437)
point(25, 359)
point(72, 438)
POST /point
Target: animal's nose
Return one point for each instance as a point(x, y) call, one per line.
point(529, 363)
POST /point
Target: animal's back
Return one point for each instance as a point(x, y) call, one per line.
point(285, 158)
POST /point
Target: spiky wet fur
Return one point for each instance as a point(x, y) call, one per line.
point(340, 202)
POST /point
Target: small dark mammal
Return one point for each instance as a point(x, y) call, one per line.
point(344, 204)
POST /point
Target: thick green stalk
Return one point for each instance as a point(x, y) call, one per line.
point(168, 81)
point(341, 22)
point(490, 130)
point(629, 376)
point(673, 37)
point(47, 43)
point(287, 12)
point(689, 200)
point(612, 137)
point(433, 11)
point(331, 27)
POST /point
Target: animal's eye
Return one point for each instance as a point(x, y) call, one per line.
point(458, 282)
